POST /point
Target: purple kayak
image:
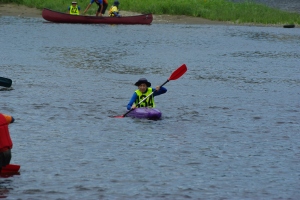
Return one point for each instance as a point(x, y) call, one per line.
point(146, 113)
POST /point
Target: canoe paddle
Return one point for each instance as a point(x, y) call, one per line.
point(175, 75)
point(5, 82)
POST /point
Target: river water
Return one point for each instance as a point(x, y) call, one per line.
point(230, 126)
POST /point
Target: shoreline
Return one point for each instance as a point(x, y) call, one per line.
point(24, 11)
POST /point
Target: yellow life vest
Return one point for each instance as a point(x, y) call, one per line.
point(74, 10)
point(112, 10)
point(149, 102)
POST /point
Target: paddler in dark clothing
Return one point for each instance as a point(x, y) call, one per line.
point(143, 91)
point(5, 140)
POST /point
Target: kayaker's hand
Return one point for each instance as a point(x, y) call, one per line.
point(133, 107)
point(157, 88)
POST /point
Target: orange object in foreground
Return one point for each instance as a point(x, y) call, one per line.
point(9, 119)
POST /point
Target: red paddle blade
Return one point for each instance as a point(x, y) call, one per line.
point(119, 116)
point(178, 72)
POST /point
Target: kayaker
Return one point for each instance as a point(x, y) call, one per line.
point(74, 9)
point(143, 91)
point(5, 140)
point(102, 6)
point(114, 10)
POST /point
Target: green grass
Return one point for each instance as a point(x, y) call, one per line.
point(218, 10)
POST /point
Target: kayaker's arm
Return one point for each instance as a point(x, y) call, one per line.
point(132, 100)
point(162, 90)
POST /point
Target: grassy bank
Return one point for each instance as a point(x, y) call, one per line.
point(219, 10)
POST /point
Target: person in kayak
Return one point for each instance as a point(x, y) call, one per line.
point(74, 9)
point(114, 10)
point(5, 140)
point(102, 6)
point(144, 90)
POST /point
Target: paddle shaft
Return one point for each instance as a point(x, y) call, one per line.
point(144, 99)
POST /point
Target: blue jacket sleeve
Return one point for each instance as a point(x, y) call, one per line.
point(162, 90)
point(132, 100)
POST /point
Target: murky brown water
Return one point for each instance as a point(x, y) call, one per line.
point(230, 126)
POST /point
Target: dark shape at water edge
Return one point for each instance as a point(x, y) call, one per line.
point(289, 26)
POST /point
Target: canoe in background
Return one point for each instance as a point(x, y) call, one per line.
point(58, 17)
point(146, 113)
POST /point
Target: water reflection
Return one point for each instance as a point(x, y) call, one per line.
point(3, 192)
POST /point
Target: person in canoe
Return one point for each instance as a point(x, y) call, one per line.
point(102, 6)
point(5, 140)
point(74, 9)
point(144, 90)
point(114, 10)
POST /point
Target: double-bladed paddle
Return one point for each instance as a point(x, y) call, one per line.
point(5, 82)
point(175, 75)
